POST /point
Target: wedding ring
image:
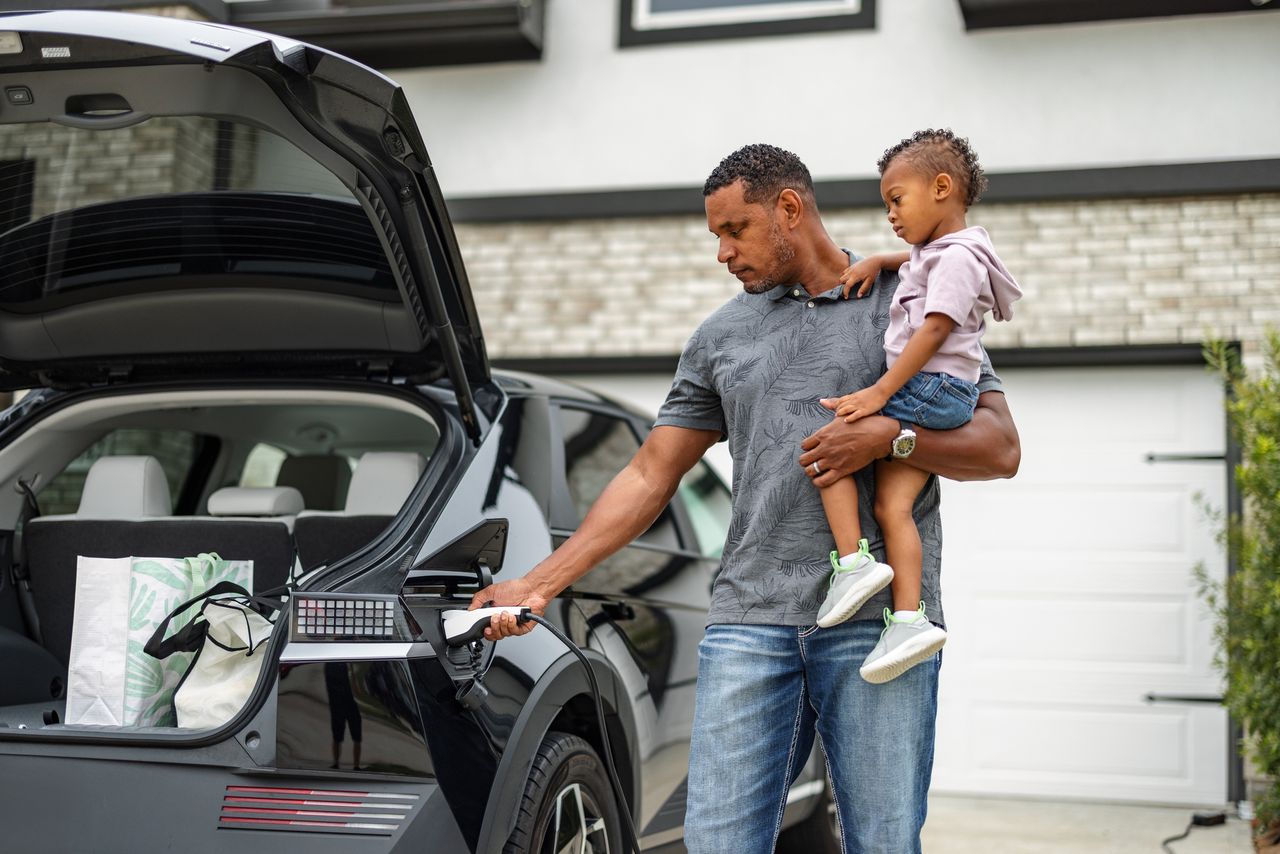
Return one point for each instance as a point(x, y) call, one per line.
point(814, 466)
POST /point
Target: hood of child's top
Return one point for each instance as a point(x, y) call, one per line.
point(188, 199)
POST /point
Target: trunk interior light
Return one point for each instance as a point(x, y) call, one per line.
point(319, 617)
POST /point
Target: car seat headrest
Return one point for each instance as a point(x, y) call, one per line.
point(255, 501)
point(382, 481)
point(129, 487)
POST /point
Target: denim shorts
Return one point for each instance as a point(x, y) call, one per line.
point(934, 401)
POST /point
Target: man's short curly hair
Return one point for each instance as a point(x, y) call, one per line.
point(934, 151)
point(764, 170)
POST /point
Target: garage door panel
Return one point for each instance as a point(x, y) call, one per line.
point(1120, 633)
point(1087, 751)
point(1070, 596)
point(1040, 576)
point(1090, 519)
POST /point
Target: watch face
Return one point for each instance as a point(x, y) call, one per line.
point(904, 445)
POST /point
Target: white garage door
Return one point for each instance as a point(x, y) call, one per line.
point(1070, 596)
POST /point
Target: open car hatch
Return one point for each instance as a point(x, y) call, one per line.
point(192, 200)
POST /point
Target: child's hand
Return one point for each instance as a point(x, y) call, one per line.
point(860, 404)
point(862, 275)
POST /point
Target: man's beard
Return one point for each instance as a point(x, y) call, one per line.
point(783, 255)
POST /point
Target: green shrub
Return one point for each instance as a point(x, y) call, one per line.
point(1247, 606)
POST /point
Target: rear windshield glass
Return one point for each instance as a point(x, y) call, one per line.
point(172, 203)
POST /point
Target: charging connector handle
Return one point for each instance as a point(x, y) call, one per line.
point(463, 627)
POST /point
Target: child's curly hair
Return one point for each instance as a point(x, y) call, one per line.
point(935, 151)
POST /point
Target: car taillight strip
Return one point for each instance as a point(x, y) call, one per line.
point(309, 802)
point(321, 813)
point(304, 809)
point(324, 793)
point(294, 822)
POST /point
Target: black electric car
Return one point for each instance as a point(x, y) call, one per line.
point(230, 284)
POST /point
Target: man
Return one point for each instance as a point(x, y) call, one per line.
point(755, 372)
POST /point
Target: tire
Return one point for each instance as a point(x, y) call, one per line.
point(817, 833)
point(568, 771)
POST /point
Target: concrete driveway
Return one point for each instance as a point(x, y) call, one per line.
point(958, 825)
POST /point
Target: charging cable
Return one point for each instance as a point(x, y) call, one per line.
point(1199, 819)
point(627, 825)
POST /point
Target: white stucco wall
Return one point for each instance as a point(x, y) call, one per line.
point(591, 116)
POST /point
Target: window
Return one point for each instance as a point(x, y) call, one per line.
point(175, 202)
point(176, 451)
point(709, 506)
point(596, 448)
point(262, 465)
point(656, 21)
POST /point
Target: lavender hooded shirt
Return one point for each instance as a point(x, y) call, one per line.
point(958, 275)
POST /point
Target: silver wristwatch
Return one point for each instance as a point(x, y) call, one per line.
point(905, 442)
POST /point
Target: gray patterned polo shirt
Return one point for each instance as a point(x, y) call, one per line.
point(755, 370)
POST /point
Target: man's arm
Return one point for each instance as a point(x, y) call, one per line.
point(984, 449)
point(625, 510)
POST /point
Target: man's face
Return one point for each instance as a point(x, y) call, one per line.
point(753, 244)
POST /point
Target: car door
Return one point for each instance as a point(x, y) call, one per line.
point(645, 607)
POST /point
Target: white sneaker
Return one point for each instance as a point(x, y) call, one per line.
point(903, 644)
point(852, 586)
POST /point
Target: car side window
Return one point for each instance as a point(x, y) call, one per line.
point(710, 508)
point(596, 447)
point(175, 450)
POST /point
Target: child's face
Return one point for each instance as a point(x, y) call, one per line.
point(916, 204)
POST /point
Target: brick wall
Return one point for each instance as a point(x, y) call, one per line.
point(1094, 273)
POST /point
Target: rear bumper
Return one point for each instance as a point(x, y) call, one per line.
point(59, 803)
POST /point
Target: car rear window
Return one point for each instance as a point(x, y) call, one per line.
point(173, 203)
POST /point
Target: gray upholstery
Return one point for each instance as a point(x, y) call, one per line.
point(321, 478)
point(381, 483)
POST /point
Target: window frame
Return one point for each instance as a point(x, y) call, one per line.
point(564, 520)
point(631, 35)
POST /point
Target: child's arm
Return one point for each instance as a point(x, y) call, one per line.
point(921, 347)
point(864, 272)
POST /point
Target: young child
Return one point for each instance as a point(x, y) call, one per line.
point(947, 282)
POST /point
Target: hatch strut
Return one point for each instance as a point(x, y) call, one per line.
point(444, 326)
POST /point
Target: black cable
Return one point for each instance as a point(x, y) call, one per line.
point(1183, 835)
point(604, 735)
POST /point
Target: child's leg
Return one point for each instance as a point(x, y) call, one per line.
point(855, 575)
point(840, 501)
point(908, 639)
point(897, 485)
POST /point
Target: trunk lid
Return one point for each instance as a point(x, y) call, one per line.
point(185, 200)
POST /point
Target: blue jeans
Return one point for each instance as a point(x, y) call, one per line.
point(934, 401)
point(762, 691)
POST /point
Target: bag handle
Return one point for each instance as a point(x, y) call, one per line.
point(190, 636)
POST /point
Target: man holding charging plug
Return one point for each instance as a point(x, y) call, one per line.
point(758, 371)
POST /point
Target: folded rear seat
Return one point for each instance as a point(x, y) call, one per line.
point(124, 512)
point(379, 486)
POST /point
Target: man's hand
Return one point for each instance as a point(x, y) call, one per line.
point(518, 591)
point(841, 448)
point(861, 275)
point(860, 404)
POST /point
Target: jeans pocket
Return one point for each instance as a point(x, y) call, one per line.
point(966, 392)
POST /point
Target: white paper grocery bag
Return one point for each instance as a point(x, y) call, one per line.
point(99, 640)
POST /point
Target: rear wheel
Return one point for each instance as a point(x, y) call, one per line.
point(567, 804)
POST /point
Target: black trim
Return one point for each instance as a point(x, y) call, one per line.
point(629, 36)
point(213, 10)
point(1120, 355)
point(409, 33)
point(1108, 182)
point(982, 14)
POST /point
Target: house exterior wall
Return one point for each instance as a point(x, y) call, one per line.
point(1129, 271)
point(591, 115)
